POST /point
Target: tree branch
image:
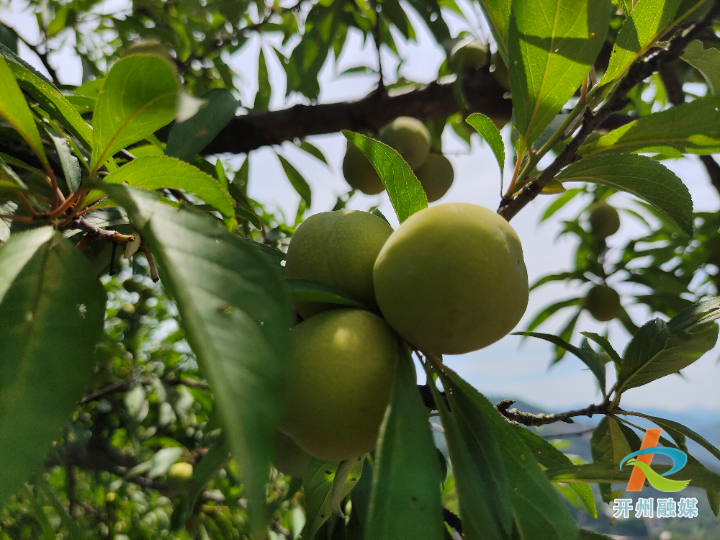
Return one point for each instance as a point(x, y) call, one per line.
point(639, 70)
point(529, 419)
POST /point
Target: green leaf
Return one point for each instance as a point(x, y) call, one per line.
point(610, 442)
point(689, 128)
point(487, 130)
point(429, 11)
point(641, 176)
point(678, 432)
point(695, 315)
point(480, 478)
point(264, 91)
point(51, 317)
point(187, 139)
point(537, 506)
point(313, 150)
point(550, 310)
point(319, 484)
point(553, 45)
point(156, 172)
point(297, 180)
point(139, 96)
point(69, 163)
point(405, 499)
point(589, 357)
point(551, 458)
point(235, 314)
point(49, 97)
point(706, 61)
point(16, 111)
point(655, 352)
point(605, 345)
point(216, 458)
point(406, 194)
point(497, 15)
point(648, 21)
point(302, 290)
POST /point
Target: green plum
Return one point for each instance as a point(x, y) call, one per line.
point(290, 459)
point(603, 303)
point(409, 137)
point(342, 372)
point(178, 478)
point(337, 249)
point(468, 55)
point(359, 172)
point(452, 278)
point(604, 219)
point(436, 176)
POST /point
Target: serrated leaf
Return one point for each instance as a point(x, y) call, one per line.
point(302, 290)
point(69, 163)
point(692, 127)
point(656, 352)
point(51, 316)
point(587, 355)
point(405, 191)
point(139, 96)
point(536, 505)
point(235, 314)
point(480, 478)
point(297, 180)
point(550, 457)
point(706, 61)
point(187, 139)
point(156, 172)
point(16, 111)
point(553, 45)
point(648, 21)
point(405, 499)
point(641, 176)
point(487, 130)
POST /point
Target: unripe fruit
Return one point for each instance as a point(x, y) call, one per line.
point(409, 137)
point(604, 219)
point(500, 71)
point(603, 303)
point(152, 47)
point(436, 176)
point(290, 459)
point(178, 477)
point(469, 55)
point(452, 278)
point(359, 172)
point(342, 372)
point(337, 249)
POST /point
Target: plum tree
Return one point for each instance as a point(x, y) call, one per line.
point(452, 278)
point(359, 172)
point(290, 459)
point(338, 249)
point(342, 372)
point(409, 137)
point(436, 176)
point(603, 303)
point(468, 55)
point(604, 219)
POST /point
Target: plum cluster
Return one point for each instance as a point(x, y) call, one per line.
point(602, 301)
point(451, 279)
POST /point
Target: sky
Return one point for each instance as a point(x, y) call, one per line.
point(509, 368)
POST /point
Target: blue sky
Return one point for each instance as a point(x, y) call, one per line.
point(505, 368)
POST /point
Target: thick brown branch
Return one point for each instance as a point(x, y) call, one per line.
point(434, 100)
point(639, 70)
point(529, 419)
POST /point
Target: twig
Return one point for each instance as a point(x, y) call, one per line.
point(97, 233)
point(151, 262)
point(529, 419)
point(639, 70)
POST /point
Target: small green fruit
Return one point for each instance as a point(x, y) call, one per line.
point(342, 372)
point(409, 137)
point(436, 176)
point(603, 303)
point(359, 172)
point(152, 47)
point(604, 219)
point(290, 459)
point(338, 249)
point(452, 278)
point(178, 477)
point(468, 55)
